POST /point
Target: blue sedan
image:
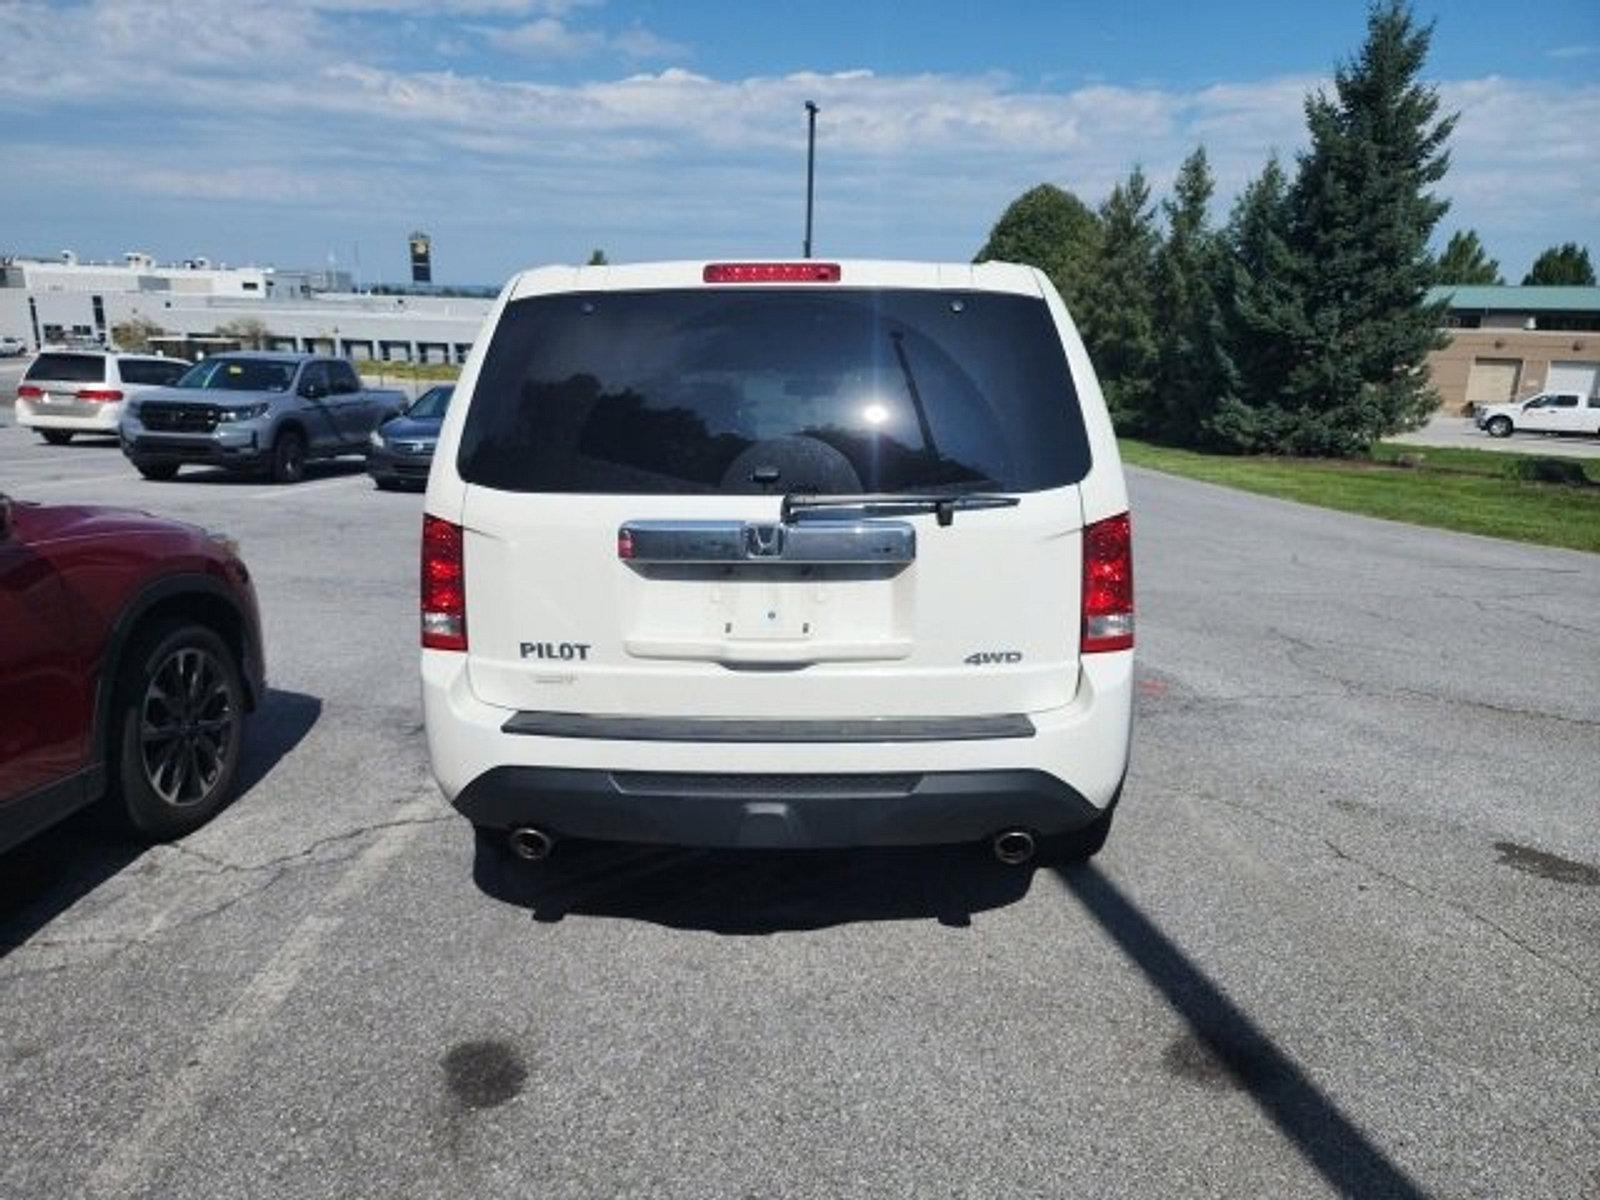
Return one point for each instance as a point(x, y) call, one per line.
point(400, 450)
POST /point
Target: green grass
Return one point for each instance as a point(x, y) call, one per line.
point(409, 372)
point(1466, 490)
point(1474, 462)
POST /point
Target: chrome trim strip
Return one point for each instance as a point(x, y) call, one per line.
point(850, 542)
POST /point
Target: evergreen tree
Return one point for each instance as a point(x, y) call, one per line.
point(1361, 219)
point(1118, 318)
point(1188, 373)
point(598, 259)
point(1263, 315)
point(1567, 263)
point(1466, 262)
point(1048, 228)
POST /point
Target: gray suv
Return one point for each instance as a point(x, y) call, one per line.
point(254, 412)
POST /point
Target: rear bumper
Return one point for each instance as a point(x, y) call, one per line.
point(399, 468)
point(774, 811)
point(782, 793)
point(80, 418)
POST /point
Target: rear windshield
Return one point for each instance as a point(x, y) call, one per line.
point(742, 390)
point(144, 370)
point(239, 375)
point(69, 368)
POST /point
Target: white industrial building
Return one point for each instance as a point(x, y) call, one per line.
point(63, 300)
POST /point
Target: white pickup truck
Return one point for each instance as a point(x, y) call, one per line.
point(1548, 412)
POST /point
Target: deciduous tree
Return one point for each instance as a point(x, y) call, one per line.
point(1049, 228)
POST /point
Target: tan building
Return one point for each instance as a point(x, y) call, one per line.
point(1508, 343)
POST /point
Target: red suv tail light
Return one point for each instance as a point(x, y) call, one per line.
point(103, 395)
point(1108, 585)
point(444, 586)
point(30, 391)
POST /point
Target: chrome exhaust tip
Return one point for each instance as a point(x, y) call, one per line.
point(533, 845)
point(1014, 847)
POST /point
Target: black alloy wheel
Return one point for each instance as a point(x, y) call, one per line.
point(181, 731)
point(289, 457)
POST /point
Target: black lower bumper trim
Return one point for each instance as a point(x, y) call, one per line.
point(155, 450)
point(774, 811)
point(719, 729)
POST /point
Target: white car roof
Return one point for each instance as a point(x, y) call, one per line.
point(988, 277)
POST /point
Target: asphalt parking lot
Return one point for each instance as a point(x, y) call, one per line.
point(1345, 938)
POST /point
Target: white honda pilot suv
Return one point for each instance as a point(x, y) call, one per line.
point(793, 554)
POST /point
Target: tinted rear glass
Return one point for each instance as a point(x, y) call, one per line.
point(69, 368)
point(839, 391)
point(136, 370)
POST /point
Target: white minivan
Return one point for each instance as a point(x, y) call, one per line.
point(779, 554)
point(67, 392)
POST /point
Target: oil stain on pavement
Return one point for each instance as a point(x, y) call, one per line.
point(484, 1074)
point(1216, 1064)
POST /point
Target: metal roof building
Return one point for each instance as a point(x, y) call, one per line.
point(1508, 343)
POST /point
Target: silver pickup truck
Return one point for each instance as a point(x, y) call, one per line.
point(254, 412)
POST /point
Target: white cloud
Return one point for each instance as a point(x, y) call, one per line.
point(456, 8)
point(638, 42)
point(283, 114)
point(1584, 50)
point(548, 37)
point(554, 38)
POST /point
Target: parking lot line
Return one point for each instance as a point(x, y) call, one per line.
point(300, 489)
point(218, 1052)
point(73, 480)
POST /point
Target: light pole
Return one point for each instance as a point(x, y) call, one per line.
point(811, 168)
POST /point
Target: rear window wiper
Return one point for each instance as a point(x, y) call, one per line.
point(797, 505)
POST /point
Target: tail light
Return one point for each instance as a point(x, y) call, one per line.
point(444, 586)
point(1108, 585)
point(103, 395)
point(30, 391)
point(771, 272)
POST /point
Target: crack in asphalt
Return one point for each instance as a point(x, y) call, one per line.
point(275, 869)
point(1353, 688)
point(222, 866)
point(1588, 984)
point(1400, 881)
point(1494, 606)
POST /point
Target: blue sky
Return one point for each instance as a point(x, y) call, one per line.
point(525, 131)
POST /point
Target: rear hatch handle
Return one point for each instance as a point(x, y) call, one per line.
point(797, 506)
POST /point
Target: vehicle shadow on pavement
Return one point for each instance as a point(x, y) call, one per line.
point(280, 722)
point(317, 469)
point(88, 441)
point(49, 873)
point(752, 892)
point(1227, 1044)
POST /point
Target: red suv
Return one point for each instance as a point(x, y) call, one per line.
point(130, 651)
